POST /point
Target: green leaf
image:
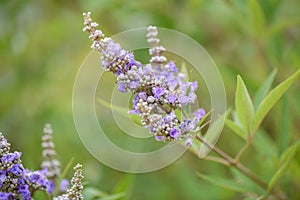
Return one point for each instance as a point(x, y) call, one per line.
point(284, 126)
point(279, 26)
point(257, 16)
point(225, 183)
point(272, 98)
point(63, 175)
point(247, 183)
point(264, 89)
point(185, 71)
point(243, 105)
point(121, 110)
point(125, 185)
point(265, 146)
point(92, 193)
point(286, 160)
point(113, 196)
point(236, 129)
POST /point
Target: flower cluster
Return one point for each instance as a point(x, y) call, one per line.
point(50, 163)
point(159, 88)
point(74, 193)
point(15, 180)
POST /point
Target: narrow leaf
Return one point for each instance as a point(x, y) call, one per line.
point(225, 183)
point(121, 110)
point(236, 129)
point(287, 159)
point(63, 175)
point(279, 26)
point(247, 183)
point(284, 126)
point(113, 196)
point(185, 71)
point(264, 89)
point(272, 98)
point(92, 193)
point(243, 105)
point(257, 17)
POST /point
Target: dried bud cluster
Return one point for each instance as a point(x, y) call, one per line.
point(50, 163)
point(159, 87)
point(156, 50)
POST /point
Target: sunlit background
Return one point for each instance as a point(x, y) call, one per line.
point(42, 47)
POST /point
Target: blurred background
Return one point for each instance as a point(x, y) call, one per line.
point(42, 46)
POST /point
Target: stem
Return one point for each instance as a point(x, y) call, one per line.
point(239, 155)
point(239, 166)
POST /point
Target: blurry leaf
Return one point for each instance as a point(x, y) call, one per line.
point(272, 98)
point(257, 17)
point(264, 89)
point(247, 183)
point(265, 146)
point(280, 26)
point(179, 114)
point(225, 183)
point(92, 193)
point(284, 126)
point(63, 175)
point(236, 129)
point(243, 105)
point(126, 185)
point(185, 71)
point(121, 110)
point(113, 196)
point(286, 160)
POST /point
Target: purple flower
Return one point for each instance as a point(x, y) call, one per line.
point(10, 157)
point(168, 118)
point(199, 114)
point(158, 92)
point(160, 138)
point(64, 184)
point(142, 95)
point(133, 85)
point(50, 187)
point(5, 196)
point(2, 176)
point(16, 170)
point(184, 100)
point(174, 133)
point(172, 98)
point(172, 67)
point(121, 87)
point(194, 86)
point(189, 142)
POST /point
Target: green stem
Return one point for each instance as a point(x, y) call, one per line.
point(232, 162)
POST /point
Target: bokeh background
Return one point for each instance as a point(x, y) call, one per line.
point(42, 46)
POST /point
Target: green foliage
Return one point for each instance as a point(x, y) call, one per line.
point(269, 101)
point(42, 47)
point(285, 161)
point(264, 89)
point(244, 106)
point(225, 183)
